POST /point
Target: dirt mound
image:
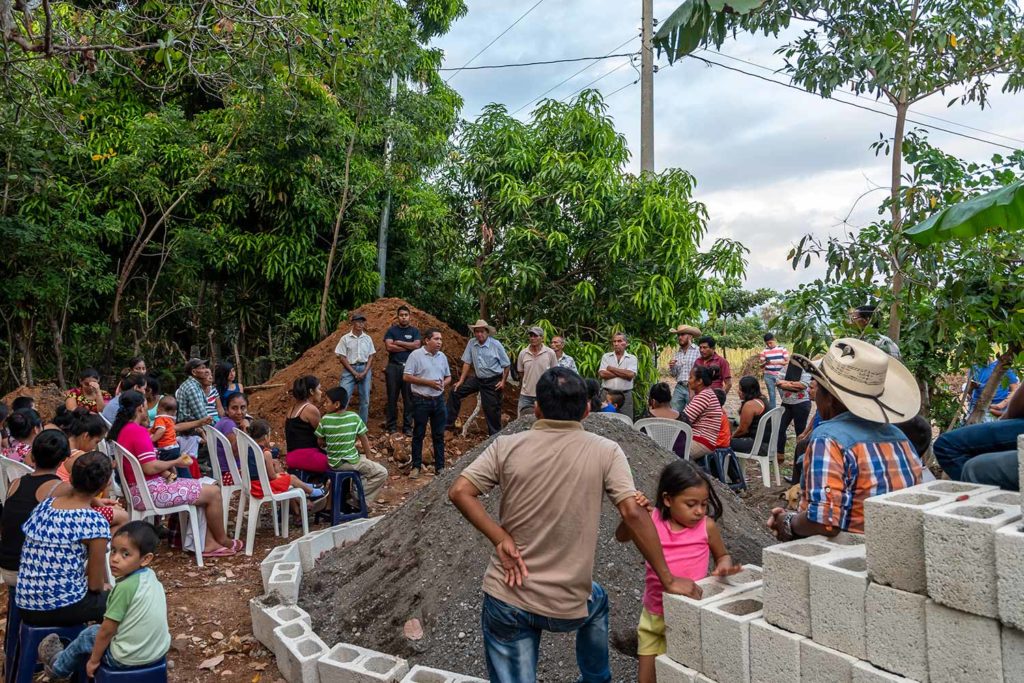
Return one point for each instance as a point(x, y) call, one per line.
point(425, 561)
point(47, 396)
point(273, 403)
point(751, 366)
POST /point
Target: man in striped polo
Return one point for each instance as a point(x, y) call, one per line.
point(774, 359)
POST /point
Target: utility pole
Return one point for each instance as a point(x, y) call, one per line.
point(385, 213)
point(647, 88)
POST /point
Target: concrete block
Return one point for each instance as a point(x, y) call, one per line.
point(725, 636)
point(669, 671)
point(285, 581)
point(423, 674)
point(1013, 655)
point(838, 586)
point(961, 646)
point(682, 614)
point(298, 652)
point(774, 654)
point(820, 664)
point(1010, 573)
point(353, 664)
point(957, 488)
point(894, 529)
point(896, 632)
point(1020, 465)
point(348, 533)
point(787, 586)
point(865, 673)
point(843, 538)
point(282, 553)
point(269, 614)
point(701, 678)
point(313, 545)
point(960, 551)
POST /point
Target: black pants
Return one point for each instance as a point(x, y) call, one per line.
point(395, 385)
point(90, 608)
point(797, 414)
point(490, 397)
point(428, 411)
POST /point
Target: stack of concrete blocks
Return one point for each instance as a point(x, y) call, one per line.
point(286, 630)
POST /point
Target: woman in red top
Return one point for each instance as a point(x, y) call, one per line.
point(88, 393)
point(703, 413)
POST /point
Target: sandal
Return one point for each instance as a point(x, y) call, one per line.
point(222, 551)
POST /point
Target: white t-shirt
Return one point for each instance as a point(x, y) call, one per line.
point(627, 362)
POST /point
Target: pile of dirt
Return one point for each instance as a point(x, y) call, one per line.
point(424, 561)
point(273, 403)
point(47, 397)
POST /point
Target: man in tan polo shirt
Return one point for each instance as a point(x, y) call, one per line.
point(531, 364)
point(540, 576)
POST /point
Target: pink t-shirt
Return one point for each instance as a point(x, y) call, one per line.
point(687, 554)
point(135, 439)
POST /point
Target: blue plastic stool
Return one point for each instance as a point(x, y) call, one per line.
point(11, 637)
point(724, 466)
point(27, 651)
point(150, 673)
point(339, 499)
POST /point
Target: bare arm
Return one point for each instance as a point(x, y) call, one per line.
point(466, 497)
point(723, 560)
point(157, 434)
point(1014, 406)
point(727, 385)
point(365, 443)
point(108, 629)
point(645, 537)
point(193, 424)
point(801, 526)
point(746, 417)
point(463, 375)
point(346, 365)
point(96, 568)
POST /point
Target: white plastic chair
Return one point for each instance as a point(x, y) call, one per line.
point(214, 437)
point(126, 459)
point(12, 469)
point(616, 416)
point(772, 418)
point(249, 448)
point(664, 432)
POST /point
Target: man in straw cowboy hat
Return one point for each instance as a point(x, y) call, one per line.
point(490, 364)
point(681, 363)
point(857, 451)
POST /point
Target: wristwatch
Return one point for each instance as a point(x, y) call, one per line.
point(786, 529)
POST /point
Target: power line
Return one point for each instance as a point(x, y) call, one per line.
point(711, 62)
point(549, 61)
point(599, 78)
point(617, 90)
point(496, 39)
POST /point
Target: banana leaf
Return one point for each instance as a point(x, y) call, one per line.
point(1002, 208)
point(687, 27)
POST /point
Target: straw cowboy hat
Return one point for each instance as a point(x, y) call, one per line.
point(870, 383)
point(686, 329)
point(483, 323)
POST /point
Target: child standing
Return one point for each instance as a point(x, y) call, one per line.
point(134, 630)
point(339, 430)
point(687, 506)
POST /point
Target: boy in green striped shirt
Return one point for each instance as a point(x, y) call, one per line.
point(339, 432)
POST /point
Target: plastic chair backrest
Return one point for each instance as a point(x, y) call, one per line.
point(125, 458)
point(772, 417)
point(213, 437)
point(249, 446)
point(662, 430)
point(13, 470)
point(616, 416)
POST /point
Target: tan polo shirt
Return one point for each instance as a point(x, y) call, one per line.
point(552, 479)
point(531, 366)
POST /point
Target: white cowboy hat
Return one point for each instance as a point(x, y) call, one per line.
point(483, 323)
point(686, 329)
point(870, 383)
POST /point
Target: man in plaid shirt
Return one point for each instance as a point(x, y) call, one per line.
point(192, 405)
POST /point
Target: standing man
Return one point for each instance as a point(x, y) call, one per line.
point(490, 364)
point(540, 576)
point(356, 351)
point(710, 359)
point(681, 364)
point(774, 359)
point(618, 370)
point(863, 318)
point(564, 359)
point(400, 340)
point(532, 362)
point(192, 414)
point(427, 373)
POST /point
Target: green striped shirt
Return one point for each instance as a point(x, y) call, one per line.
point(340, 431)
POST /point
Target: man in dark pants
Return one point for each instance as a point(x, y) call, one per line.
point(400, 340)
point(490, 364)
point(985, 453)
point(427, 373)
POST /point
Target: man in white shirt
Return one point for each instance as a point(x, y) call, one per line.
point(356, 351)
point(532, 362)
point(618, 370)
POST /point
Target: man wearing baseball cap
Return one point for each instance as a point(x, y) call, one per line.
point(857, 451)
point(356, 350)
point(532, 362)
point(191, 397)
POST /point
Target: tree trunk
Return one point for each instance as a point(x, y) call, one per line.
point(896, 217)
point(989, 390)
point(58, 351)
point(23, 339)
point(342, 206)
point(270, 350)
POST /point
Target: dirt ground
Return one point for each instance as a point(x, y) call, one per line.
point(47, 397)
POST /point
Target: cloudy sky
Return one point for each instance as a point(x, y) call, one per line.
point(771, 163)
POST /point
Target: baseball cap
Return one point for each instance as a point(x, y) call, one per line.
point(193, 363)
point(539, 331)
point(358, 316)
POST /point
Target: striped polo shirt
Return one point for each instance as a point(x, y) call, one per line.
point(339, 431)
point(775, 360)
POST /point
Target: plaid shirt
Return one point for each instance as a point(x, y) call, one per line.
point(191, 400)
point(851, 459)
point(684, 362)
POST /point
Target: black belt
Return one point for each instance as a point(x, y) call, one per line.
point(396, 362)
point(421, 397)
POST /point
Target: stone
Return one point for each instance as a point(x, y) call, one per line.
point(774, 654)
point(348, 533)
point(423, 674)
point(298, 652)
point(725, 636)
point(282, 553)
point(820, 664)
point(346, 663)
point(838, 586)
point(787, 584)
point(895, 626)
point(285, 581)
point(669, 671)
point(1010, 573)
point(962, 647)
point(269, 614)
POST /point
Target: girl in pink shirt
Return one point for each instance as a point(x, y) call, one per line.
point(687, 506)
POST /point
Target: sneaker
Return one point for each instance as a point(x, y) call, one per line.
point(49, 650)
point(415, 473)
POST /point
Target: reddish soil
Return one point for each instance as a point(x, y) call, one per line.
point(47, 396)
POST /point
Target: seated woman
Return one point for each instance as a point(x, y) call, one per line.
point(63, 572)
point(235, 418)
point(659, 404)
point(85, 430)
point(754, 406)
point(704, 412)
point(24, 426)
point(88, 393)
point(164, 487)
point(303, 448)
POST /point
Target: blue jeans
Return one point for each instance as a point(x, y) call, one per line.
point(954, 449)
point(349, 383)
point(769, 383)
point(434, 411)
point(77, 653)
point(680, 396)
point(512, 640)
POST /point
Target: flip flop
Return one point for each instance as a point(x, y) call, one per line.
point(237, 545)
point(222, 551)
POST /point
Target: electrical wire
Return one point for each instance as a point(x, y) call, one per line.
point(496, 39)
point(599, 78)
point(548, 61)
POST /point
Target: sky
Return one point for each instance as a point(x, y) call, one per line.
point(772, 164)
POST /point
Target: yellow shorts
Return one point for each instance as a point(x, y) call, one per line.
point(650, 634)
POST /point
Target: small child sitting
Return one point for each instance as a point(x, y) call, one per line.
point(614, 400)
point(163, 432)
point(134, 630)
point(280, 480)
point(338, 432)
